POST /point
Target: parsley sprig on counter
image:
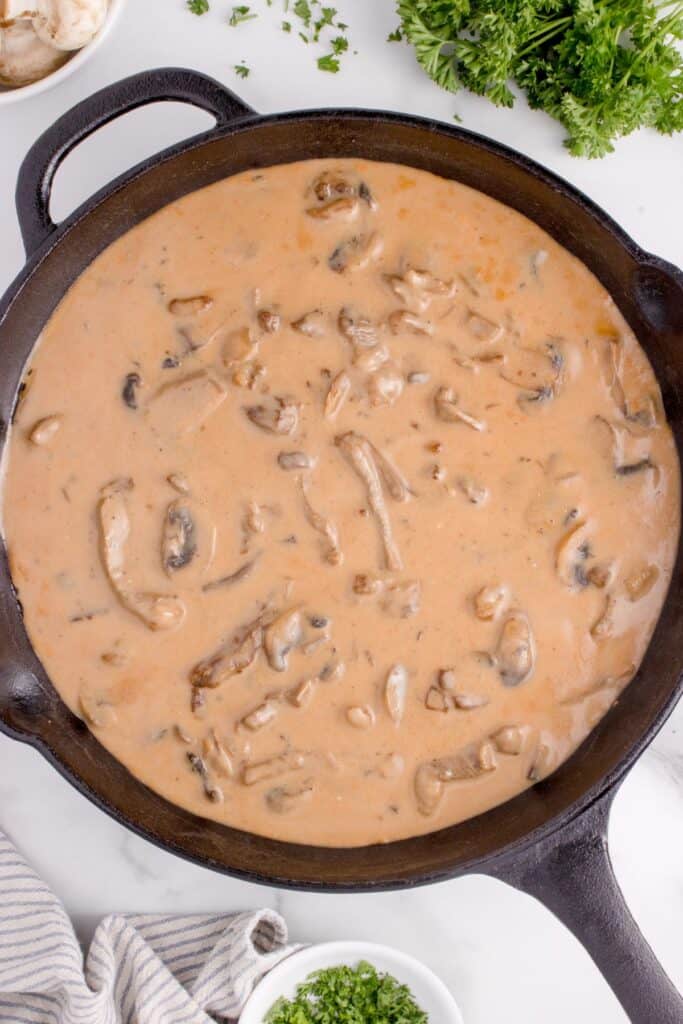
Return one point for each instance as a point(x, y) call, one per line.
point(349, 995)
point(601, 67)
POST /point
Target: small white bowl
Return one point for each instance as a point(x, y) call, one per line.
point(429, 991)
point(77, 60)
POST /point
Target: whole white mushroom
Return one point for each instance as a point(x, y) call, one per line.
point(64, 24)
point(24, 58)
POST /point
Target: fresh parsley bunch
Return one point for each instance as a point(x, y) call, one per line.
point(601, 67)
point(349, 995)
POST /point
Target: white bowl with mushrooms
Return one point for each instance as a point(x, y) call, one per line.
point(42, 42)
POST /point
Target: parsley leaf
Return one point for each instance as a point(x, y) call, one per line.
point(395, 37)
point(240, 14)
point(328, 63)
point(346, 995)
point(603, 68)
point(198, 6)
point(302, 10)
point(339, 44)
point(242, 70)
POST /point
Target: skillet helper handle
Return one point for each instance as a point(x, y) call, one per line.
point(571, 874)
point(36, 174)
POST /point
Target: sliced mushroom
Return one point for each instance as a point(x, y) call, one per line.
point(571, 553)
point(295, 460)
point(269, 321)
point(490, 601)
point(510, 739)
point(345, 208)
point(402, 321)
point(536, 371)
point(419, 377)
point(418, 288)
point(261, 716)
point(447, 680)
point(401, 599)
point(279, 417)
point(313, 324)
point(641, 582)
point(395, 483)
point(515, 655)
point(44, 430)
point(369, 360)
point(483, 329)
point(183, 405)
point(157, 611)
point(97, 710)
point(542, 762)
point(437, 700)
point(230, 660)
point(604, 626)
point(360, 454)
point(474, 491)
point(356, 253)
point(325, 527)
point(338, 392)
point(281, 636)
point(302, 693)
point(470, 763)
point(395, 692)
point(360, 331)
point(198, 765)
point(129, 390)
point(247, 375)
point(261, 771)
point(216, 756)
point(190, 307)
point(179, 537)
point(239, 346)
point(284, 799)
point(360, 717)
point(447, 408)
point(385, 387)
point(332, 184)
point(469, 701)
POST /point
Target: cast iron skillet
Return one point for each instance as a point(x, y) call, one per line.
point(550, 841)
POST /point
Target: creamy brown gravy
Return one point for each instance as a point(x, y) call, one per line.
point(495, 425)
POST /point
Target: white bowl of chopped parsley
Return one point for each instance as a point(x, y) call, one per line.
point(351, 983)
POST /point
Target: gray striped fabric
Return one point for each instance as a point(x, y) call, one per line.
point(140, 969)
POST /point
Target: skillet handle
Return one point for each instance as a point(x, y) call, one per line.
point(571, 874)
point(36, 174)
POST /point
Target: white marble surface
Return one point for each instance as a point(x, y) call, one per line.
point(502, 954)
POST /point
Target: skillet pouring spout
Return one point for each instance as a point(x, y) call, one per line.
point(549, 842)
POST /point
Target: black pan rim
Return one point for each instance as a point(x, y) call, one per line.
point(250, 122)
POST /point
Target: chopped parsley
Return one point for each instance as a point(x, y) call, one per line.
point(240, 14)
point(328, 63)
point(395, 37)
point(302, 10)
point(312, 20)
point(349, 995)
point(339, 44)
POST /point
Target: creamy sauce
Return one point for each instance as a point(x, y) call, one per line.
point(340, 502)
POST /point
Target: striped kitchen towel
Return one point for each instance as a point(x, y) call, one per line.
point(140, 968)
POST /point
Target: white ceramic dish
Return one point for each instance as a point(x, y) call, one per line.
point(429, 991)
point(23, 92)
